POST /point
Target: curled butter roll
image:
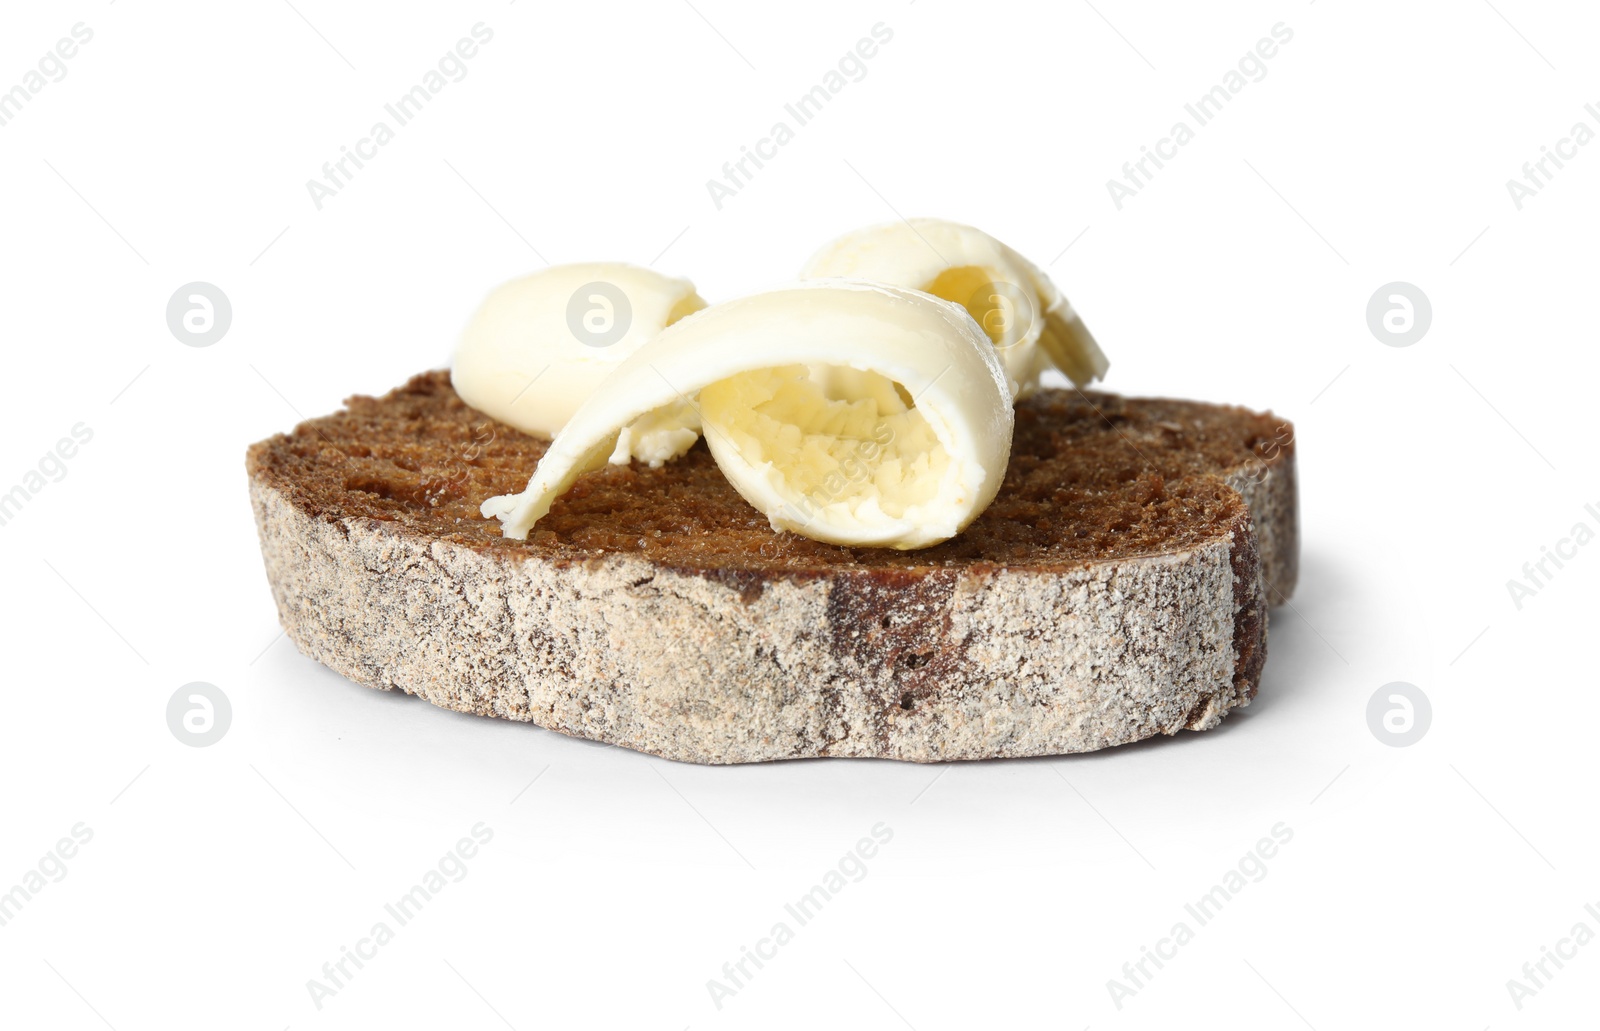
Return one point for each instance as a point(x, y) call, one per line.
point(539, 345)
point(851, 412)
point(1029, 321)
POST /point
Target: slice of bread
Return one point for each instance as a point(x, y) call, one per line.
point(1116, 589)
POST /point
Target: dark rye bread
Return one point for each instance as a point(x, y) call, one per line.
point(1114, 590)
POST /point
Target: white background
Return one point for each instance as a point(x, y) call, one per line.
point(220, 879)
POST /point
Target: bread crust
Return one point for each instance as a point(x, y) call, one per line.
point(719, 664)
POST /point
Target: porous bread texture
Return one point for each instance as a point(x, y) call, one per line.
point(1272, 494)
point(952, 664)
point(726, 653)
